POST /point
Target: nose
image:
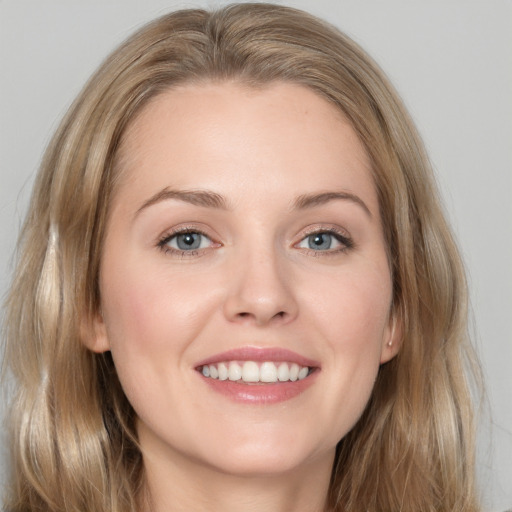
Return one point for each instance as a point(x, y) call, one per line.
point(261, 291)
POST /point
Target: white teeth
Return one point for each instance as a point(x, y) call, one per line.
point(283, 372)
point(250, 372)
point(268, 372)
point(294, 372)
point(234, 371)
point(303, 373)
point(223, 371)
point(214, 373)
point(253, 372)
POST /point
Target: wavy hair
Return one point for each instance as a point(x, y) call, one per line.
point(73, 442)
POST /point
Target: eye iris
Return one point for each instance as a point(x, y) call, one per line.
point(320, 241)
point(188, 241)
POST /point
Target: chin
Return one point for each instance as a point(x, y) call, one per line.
point(267, 458)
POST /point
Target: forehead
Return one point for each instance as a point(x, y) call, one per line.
point(209, 134)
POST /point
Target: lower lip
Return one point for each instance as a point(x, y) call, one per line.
point(260, 393)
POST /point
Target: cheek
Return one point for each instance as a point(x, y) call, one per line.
point(151, 319)
point(354, 321)
point(359, 331)
point(146, 307)
point(354, 307)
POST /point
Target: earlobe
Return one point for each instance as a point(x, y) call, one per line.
point(93, 333)
point(392, 341)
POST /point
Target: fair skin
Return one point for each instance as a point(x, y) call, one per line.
point(245, 220)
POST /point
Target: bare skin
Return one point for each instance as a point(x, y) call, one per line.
point(245, 220)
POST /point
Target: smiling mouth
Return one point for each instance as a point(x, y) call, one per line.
point(252, 372)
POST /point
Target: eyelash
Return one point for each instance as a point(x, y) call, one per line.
point(346, 242)
point(167, 237)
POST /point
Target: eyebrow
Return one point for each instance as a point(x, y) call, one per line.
point(209, 199)
point(311, 200)
point(204, 198)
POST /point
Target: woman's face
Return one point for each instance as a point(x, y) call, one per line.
point(245, 288)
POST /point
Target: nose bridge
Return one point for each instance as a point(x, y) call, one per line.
point(260, 290)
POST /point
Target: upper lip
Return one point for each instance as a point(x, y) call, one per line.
point(259, 354)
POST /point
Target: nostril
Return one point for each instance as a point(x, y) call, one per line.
point(245, 314)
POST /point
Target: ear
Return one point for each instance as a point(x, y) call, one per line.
point(93, 332)
point(392, 339)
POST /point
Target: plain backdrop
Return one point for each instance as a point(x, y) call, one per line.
point(451, 60)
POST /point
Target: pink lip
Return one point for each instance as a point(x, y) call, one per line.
point(260, 393)
point(260, 355)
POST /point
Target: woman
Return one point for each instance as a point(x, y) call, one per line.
point(236, 286)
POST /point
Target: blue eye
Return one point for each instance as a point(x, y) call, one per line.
point(324, 241)
point(185, 241)
point(320, 241)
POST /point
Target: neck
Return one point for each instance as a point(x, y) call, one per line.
point(179, 484)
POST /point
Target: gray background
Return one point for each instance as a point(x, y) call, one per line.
point(452, 62)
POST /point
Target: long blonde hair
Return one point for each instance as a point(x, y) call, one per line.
point(73, 441)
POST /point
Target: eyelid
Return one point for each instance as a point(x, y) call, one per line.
point(340, 234)
point(325, 228)
point(163, 240)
